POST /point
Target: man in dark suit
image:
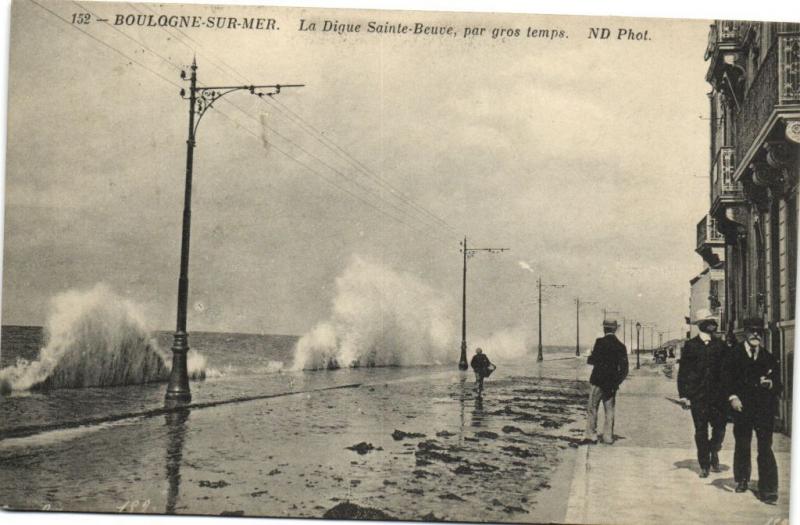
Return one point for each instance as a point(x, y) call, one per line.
point(752, 384)
point(700, 388)
point(609, 358)
point(482, 367)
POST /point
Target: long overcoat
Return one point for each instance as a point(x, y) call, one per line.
point(700, 372)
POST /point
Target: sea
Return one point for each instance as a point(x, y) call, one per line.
point(227, 367)
point(95, 392)
point(233, 365)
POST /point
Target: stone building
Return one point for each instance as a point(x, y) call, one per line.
point(708, 287)
point(754, 72)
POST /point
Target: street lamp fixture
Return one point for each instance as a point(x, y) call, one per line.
point(201, 99)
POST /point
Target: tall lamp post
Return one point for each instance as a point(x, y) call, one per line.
point(468, 252)
point(540, 356)
point(652, 333)
point(201, 99)
point(578, 304)
point(638, 327)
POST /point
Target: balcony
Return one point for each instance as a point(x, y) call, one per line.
point(775, 83)
point(707, 233)
point(724, 32)
point(723, 189)
point(708, 238)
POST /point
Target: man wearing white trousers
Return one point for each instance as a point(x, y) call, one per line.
point(609, 358)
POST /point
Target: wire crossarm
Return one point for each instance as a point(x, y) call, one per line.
point(203, 98)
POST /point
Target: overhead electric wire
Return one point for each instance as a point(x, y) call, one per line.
point(216, 63)
point(101, 42)
point(126, 35)
point(314, 133)
point(320, 137)
point(289, 156)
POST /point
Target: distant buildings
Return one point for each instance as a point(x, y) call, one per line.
point(754, 71)
point(708, 287)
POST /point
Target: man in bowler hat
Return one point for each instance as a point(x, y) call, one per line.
point(609, 359)
point(752, 384)
point(700, 388)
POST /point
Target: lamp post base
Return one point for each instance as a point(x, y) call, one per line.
point(178, 387)
point(462, 362)
point(539, 356)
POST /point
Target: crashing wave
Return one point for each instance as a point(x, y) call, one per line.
point(95, 338)
point(380, 318)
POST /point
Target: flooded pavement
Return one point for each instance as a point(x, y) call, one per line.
point(404, 443)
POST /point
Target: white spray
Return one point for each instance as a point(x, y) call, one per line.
point(380, 317)
point(95, 338)
point(507, 344)
point(525, 266)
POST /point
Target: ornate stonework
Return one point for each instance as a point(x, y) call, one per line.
point(793, 131)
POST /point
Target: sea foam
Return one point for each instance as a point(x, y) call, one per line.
point(95, 338)
point(379, 317)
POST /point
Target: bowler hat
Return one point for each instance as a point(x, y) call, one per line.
point(753, 324)
point(610, 323)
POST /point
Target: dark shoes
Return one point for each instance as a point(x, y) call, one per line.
point(587, 441)
point(703, 472)
point(715, 462)
point(769, 498)
point(741, 486)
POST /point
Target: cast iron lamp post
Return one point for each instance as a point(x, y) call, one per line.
point(638, 327)
point(200, 100)
point(467, 253)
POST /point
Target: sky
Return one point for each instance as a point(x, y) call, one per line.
point(587, 158)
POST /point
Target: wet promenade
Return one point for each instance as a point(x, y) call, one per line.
point(414, 444)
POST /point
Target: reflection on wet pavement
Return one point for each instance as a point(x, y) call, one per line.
point(176, 435)
point(412, 444)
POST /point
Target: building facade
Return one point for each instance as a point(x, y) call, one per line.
point(708, 287)
point(754, 72)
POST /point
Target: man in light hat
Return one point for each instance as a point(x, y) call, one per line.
point(609, 359)
point(700, 388)
point(752, 384)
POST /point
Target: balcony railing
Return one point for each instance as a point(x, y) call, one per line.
point(729, 30)
point(732, 190)
point(723, 32)
point(776, 82)
point(789, 69)
point(707, 233)
point(722, 185)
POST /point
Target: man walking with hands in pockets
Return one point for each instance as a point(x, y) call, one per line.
point(700, 388)
point(752, 385)
point(609, 358)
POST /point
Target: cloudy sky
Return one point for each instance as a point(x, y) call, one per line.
point(587, 158)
